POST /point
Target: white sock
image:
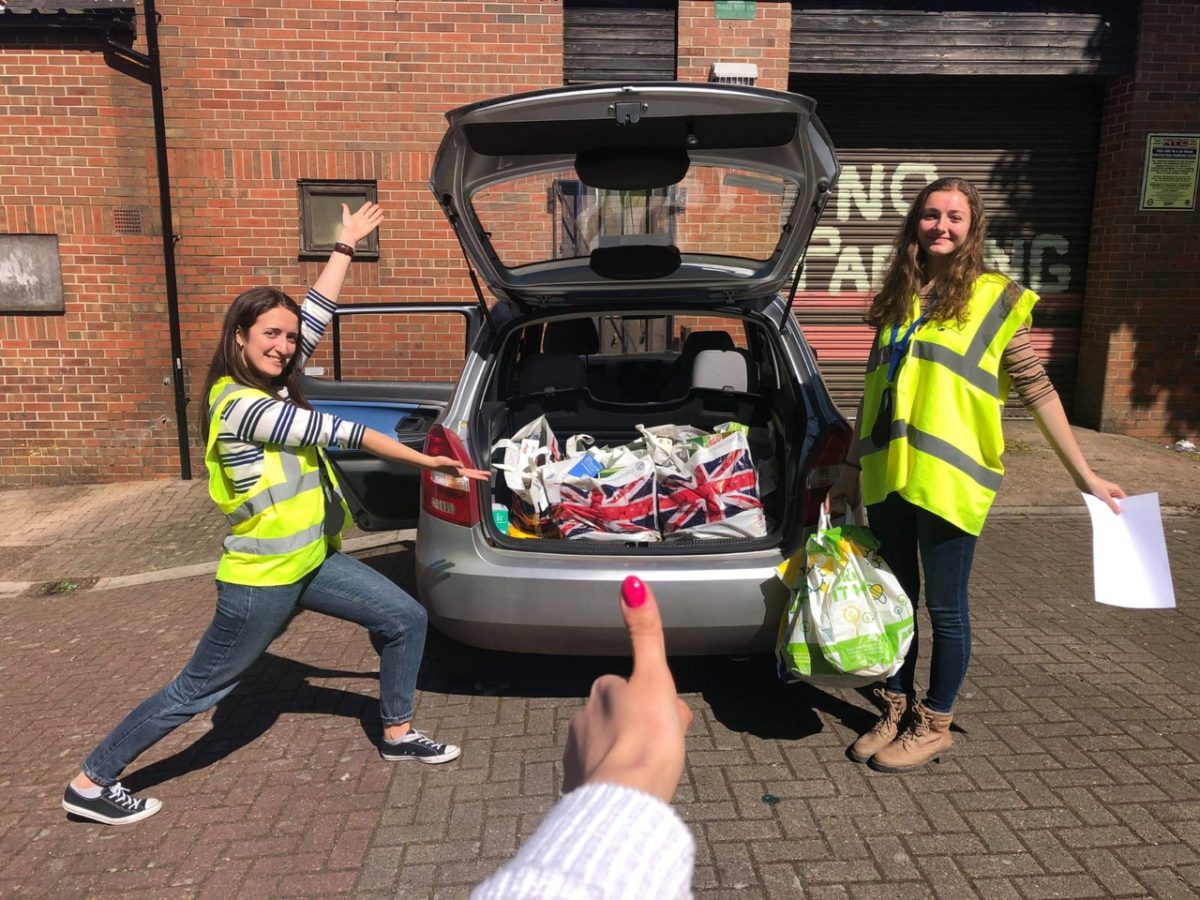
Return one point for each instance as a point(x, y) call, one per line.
point(89, 793)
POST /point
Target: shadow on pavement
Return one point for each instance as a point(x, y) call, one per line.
point(272, 686)
point(743, 695)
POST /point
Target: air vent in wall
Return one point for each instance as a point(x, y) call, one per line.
point(127, 220)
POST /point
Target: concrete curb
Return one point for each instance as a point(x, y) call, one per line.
point(1011, 511)
point(351, 545)
point(385, 538)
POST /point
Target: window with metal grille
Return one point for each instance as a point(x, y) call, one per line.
point(586, 218)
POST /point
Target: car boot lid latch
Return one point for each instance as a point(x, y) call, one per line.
point(628, 112)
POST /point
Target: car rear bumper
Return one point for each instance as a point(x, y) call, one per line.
point(531, 602)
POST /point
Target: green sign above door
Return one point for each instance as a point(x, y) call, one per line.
point(734, 9)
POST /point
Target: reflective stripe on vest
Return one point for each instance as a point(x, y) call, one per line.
point(275, 546)
point(281, 526)
point(943, 450)
point(943, 447)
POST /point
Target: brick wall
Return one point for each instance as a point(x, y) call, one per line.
point(704, 39)
point(346, 89)
point(260, 96)
point(1139, 360)
point(81, 394)
point(257, 97)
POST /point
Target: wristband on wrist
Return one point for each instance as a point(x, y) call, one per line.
point(339, 247)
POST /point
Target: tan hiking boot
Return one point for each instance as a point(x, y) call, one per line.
point(884, 731)
point(927, 735)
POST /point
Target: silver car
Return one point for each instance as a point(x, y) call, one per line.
point(642, 246)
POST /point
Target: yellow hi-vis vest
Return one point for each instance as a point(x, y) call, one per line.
point(281, 527)
point(944, 445)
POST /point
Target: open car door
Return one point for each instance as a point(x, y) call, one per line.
point(391, 367)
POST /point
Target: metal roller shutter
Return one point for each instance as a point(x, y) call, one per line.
point(1028, 144)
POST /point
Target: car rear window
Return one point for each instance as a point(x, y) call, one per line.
point(716, 211)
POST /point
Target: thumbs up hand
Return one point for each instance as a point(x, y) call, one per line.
point(630, 731)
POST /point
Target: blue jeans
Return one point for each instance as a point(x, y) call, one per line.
point(246, 621)
point(945, 551)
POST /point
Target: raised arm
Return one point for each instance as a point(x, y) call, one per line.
point(355, 227)
point(321, 300)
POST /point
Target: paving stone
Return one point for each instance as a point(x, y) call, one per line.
point(996, 889)
point(1064, 886)
point(1109, 871)
point(944, 878)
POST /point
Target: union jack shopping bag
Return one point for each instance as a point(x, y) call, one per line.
point(708, 487)
point(615, 502)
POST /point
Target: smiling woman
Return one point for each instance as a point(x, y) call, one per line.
point(951, 337)
point(270, 343)
point(267, 472)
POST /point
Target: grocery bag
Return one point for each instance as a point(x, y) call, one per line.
point(708, 487)
point(616, 502)
point(530, 447)
point(848, 621)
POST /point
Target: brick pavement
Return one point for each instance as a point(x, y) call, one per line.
point(81, 533)
point(1076, 771)
point(87, 531)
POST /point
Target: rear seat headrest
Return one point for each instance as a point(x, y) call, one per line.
point(571, 336)
point(543, 371)
point(721, 370)
point(698, 341)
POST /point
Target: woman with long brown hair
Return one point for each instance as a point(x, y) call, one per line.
point(951, 338)
point(268, 474)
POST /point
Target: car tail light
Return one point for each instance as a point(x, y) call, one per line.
point(448, 497)
point(823, 468)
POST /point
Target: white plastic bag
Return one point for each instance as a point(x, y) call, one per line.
point(531, 447)
point(856, 612)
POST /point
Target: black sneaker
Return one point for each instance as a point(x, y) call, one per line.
point(415, 745)
point(114, 806)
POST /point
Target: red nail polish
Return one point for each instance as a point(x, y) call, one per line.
point(633, 592)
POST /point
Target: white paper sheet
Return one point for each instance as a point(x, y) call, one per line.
point(1130, 554)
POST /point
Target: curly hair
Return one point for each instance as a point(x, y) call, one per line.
point(951, 289)
point(243, 312)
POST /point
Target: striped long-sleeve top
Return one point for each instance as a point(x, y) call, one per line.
point(247, 424)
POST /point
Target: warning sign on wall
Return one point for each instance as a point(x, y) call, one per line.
point(1169, 176)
